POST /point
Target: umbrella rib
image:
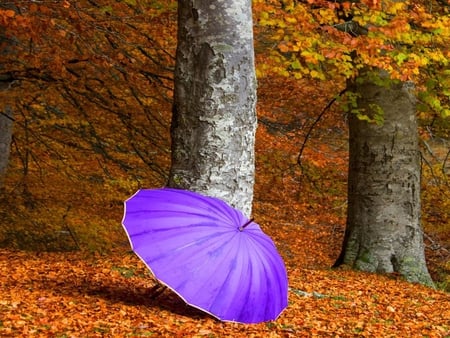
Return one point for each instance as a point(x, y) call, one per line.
point(180, 212)
point(217, 298)
point(198, 225)
point(214, 203)
point(269, 267)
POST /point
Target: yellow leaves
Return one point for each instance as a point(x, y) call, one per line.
point(267, 20)
point(317, 75)
point(264, 15)
point(440, 23)
point(395, 7)
point(420, 36)
point(430, 101)
point(302, 62)
point(291, 20)
point(326, 16)
point(283, 72)
point(261, 71)
point(312, 57)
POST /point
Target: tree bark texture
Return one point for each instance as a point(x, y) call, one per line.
point(383, 231)
point(214, 117)
point(6, 111)
point(6, 128)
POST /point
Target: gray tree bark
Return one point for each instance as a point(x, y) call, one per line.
point(6, 111)
point(383, 231)
point(6, 128)
point(214, 118)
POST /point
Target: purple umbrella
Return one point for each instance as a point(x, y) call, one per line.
point(208, 253)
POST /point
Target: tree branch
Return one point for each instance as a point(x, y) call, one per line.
point(308, 134)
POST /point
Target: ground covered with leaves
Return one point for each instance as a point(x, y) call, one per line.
point(82, 294)
point(93, 295)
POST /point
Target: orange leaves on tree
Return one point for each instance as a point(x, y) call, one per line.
point(94, 116)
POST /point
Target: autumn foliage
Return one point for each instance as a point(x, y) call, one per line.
point(328, 40)
point(90, 83)
point(92, 93)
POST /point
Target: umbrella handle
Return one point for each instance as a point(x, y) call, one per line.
point(243, 226)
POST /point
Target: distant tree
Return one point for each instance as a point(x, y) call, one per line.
point(214, 120)
point(6, 127)
point(6, 112)
point(383, 232)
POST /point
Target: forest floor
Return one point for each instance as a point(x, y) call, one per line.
point(93, 295)
point(81, 294)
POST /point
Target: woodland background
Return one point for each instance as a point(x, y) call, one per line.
point(90, 85)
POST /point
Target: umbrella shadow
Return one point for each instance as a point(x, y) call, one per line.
point(157, 296)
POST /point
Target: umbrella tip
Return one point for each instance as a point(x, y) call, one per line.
point(242, 227)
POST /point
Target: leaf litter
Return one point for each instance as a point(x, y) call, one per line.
point(93, 295)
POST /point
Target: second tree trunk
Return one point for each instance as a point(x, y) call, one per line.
point(383, 223)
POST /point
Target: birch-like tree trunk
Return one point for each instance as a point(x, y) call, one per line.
point(383, 231)
point(214, 119)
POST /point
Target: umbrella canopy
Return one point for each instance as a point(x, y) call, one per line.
point(209, 253)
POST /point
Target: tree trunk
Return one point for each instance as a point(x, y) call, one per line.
point(6, 111)
point(214, 119)
point(383, 231)
point(6, 127)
